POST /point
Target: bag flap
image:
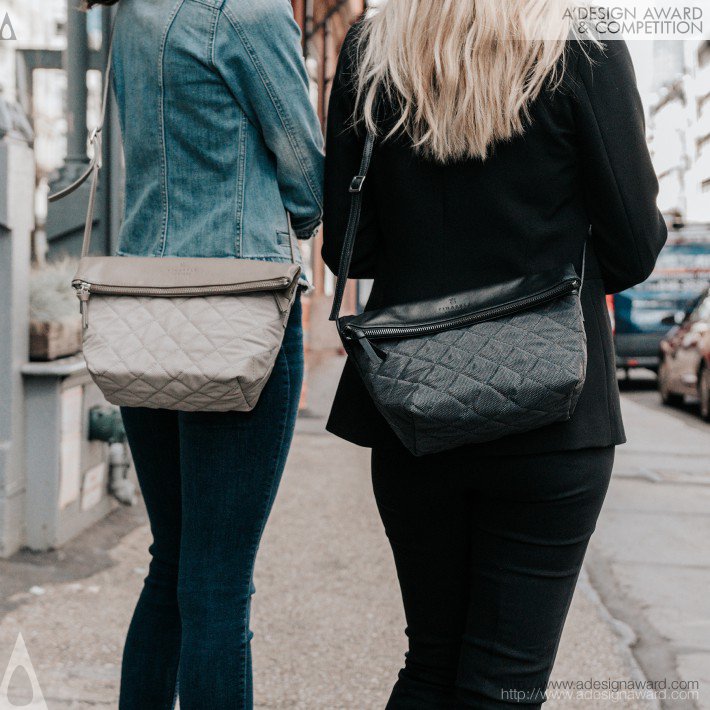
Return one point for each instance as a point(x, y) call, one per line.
point(178, 272)
point(466, 303)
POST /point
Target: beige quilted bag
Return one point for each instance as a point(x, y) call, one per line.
point(174, 333)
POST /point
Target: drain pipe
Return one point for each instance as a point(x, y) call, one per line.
point(105, 424)
point(121, 488)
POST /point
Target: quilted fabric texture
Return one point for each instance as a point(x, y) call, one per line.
point(202, 353)
point(481, 382)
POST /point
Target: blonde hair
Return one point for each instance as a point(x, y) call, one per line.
point(462, 73)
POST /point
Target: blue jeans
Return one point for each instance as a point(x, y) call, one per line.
point(209, 481)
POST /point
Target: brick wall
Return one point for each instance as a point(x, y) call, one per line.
point(324, 24)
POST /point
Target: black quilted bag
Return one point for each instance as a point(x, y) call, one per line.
point(472, 366)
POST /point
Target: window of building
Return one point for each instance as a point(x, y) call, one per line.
point(704, 54)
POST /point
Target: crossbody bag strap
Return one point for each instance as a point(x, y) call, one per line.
point(351, 230)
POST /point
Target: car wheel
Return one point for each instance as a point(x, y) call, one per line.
point(668, 397)
point(705, 393)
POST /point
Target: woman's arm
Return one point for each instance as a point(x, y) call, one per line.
point(342, 163)
point(628, 231)
point(257, 49)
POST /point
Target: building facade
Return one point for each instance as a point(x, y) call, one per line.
point(679, 129)
point(324, 24)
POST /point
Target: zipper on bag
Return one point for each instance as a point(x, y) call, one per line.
point(365, 333)
point(85, 289)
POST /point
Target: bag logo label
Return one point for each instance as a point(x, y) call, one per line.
point(453, 305)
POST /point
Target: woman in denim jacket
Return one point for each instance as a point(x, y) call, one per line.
point(220, 142)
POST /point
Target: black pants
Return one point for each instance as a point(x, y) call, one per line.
point(487, 551)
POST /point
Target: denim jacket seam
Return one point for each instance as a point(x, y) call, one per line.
point(241, 182)
point(213, 31)
point(160, 251)
point(268, 86)
point(308, 223)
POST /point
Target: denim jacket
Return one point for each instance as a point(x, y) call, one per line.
point(220, 137)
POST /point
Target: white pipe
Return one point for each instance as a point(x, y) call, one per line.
point(121, 488)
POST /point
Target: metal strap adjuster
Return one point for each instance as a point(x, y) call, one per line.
point(357, 183)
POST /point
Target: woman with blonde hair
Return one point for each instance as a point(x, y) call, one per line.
point(503, 144)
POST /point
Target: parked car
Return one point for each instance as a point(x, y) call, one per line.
point(685, 359)
point(643, 315)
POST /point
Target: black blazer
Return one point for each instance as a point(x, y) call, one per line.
point(430, 229)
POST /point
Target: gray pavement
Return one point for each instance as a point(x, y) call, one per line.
point(327, 617)
point(650, 555)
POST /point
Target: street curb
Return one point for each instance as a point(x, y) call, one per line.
point(625, 636)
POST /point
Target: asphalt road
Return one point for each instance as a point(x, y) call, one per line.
point(641, 389)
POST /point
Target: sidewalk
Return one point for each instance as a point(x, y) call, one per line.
point(327, 618)
point(650, 556)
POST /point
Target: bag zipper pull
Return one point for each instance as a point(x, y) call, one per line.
point(370, 351)
point(83, 293)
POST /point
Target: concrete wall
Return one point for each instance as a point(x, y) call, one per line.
point(16, 223)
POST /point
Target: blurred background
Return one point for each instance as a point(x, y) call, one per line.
point(329, 631)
